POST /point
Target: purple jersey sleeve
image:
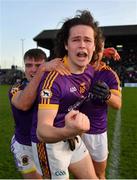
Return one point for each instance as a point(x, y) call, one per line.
point(110, 78)
point(50, 92)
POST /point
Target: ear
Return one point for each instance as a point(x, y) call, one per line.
point(66, 47)
point(94, 48)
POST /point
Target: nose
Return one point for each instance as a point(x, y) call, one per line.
point(34, 68)
point(82, 44)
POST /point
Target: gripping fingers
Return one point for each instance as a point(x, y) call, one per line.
point(71, 115)
point(62, 69)
point(85, 125)
point(101, 91)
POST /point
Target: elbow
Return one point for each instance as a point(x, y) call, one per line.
point(22, 107)
point(25, 106)
point(118, 106)
point(115, 102)
point(39, 136)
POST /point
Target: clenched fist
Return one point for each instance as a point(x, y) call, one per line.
point(77, 122)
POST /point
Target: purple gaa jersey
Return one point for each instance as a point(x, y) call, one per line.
point(96, 110)
point(23, 119)
point(60, 92)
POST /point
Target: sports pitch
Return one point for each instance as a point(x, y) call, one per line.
point(122, 133)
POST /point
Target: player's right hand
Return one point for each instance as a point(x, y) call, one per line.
point(77, 122)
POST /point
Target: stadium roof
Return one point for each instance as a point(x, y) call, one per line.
point(46, 38)
point(126, 30)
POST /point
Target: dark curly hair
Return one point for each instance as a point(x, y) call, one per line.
point(83, 18)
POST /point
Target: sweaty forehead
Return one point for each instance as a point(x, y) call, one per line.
point(81, 30)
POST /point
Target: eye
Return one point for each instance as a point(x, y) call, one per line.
point(28, 65)
point(37, 65)
point(75, 40)
point(88, 40)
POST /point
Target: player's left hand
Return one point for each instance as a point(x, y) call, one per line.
point(101, 91)
point(111, 53)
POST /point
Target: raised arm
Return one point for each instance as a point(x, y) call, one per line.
point(24, 99)
point(115, 100)
point(75, 123)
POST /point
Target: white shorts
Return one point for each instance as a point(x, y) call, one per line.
point(97, 145)
point(52, 160)
point(23, 157)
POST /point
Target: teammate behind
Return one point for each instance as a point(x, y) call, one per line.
point(106, 92)
point(22, 97)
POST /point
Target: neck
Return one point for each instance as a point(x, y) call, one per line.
point(73, 67)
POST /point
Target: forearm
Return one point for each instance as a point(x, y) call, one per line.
point(115, 101)
point(75, 124)
point(26, 97)
point(50, 134)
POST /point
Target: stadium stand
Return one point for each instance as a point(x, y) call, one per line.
point(10, 76)
point(123, 38)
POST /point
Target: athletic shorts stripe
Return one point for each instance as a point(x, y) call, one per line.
point(53, 159)
point(43, 160)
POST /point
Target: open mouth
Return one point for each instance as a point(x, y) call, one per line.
point(82, 54)
point(31, 76)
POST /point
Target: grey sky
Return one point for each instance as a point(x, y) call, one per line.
point(24, 19)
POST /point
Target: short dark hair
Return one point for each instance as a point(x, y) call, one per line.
point(35, 53)
point(84, 18)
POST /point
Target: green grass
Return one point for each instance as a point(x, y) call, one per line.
point(128, 139)
point(128, 163)
point(128, 155)
point(7, 165)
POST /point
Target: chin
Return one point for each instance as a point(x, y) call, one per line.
point(83, 64)
point(80, 66)
point(29, 79)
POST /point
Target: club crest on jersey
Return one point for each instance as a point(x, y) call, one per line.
point(82, 88)
point(46, 93)
point(73, 89)
point(25, 160)
point(14, 90)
